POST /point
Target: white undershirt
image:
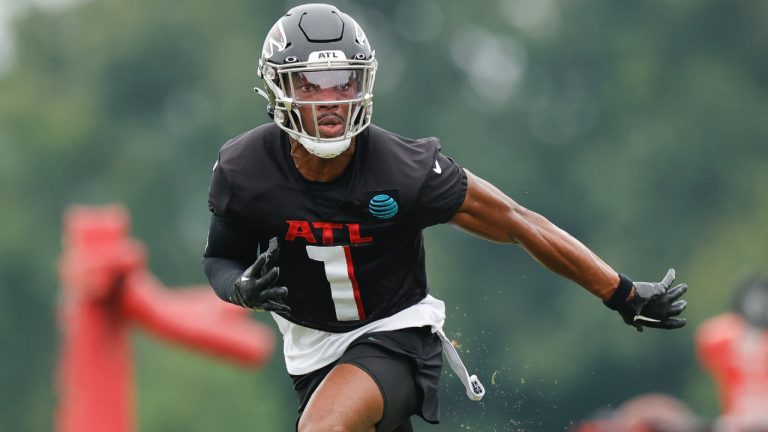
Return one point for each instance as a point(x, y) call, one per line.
point(307, 349)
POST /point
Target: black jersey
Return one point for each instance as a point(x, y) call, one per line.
point(351, 251)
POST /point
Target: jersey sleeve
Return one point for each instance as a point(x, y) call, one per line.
point(219, 192)
point(441, 194)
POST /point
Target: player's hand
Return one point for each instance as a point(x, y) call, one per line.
point(656, 304)
point(255, 288)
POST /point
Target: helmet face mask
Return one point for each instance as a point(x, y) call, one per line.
point(318, 69)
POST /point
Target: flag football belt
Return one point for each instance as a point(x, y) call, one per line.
point(475, 389)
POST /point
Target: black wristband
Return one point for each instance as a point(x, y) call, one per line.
point(622, 292)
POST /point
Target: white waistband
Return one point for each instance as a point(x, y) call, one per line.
point(306, 350)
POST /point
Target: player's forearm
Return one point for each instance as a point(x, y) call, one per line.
point(228, 253)
point(489, 213)
point(565, 255)
point(222, 273)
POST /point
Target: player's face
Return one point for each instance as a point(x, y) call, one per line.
point(325, 100)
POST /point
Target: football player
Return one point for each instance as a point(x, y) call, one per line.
point(733, 348)
point(318, 219)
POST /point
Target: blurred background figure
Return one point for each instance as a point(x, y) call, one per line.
point(650, 412)
point(733, 348)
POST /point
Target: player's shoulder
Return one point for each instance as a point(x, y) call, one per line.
point(400, 162)
point(399, 156)
point(252, 142)
point(253, 153)
point(386, 141)
point(252, 159)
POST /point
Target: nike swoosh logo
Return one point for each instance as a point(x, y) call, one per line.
point(437, 168)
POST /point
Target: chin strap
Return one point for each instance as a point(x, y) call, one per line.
point(325, 150)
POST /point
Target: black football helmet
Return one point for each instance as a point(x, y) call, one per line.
point(316, 46)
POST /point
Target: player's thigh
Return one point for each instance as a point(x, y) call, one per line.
point(404, 364)
point(394, 374)
point(347, 399)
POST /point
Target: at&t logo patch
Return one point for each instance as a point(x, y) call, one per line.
point(383, 206)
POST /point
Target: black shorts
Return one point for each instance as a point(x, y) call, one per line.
point(405, 364)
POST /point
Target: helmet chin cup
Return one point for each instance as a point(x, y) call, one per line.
point(325, 149)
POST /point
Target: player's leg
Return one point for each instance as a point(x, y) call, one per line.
point(394, 375)
point(372, 388)
point(406, 426)
point(404, 366)
point(348, 399)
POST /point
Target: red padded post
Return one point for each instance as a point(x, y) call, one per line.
point(105, 289)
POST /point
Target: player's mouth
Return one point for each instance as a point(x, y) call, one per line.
point(331, 126)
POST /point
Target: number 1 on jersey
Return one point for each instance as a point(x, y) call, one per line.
point(340, 273)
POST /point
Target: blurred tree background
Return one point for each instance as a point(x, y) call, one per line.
point(638, 126)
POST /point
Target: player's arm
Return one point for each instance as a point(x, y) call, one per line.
point(235, 269)
point(489, 213)
point(227, 253)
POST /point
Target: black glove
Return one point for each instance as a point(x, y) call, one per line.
point(654, 304)
point(255, 290)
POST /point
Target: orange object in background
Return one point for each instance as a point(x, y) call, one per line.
point(105, 289)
